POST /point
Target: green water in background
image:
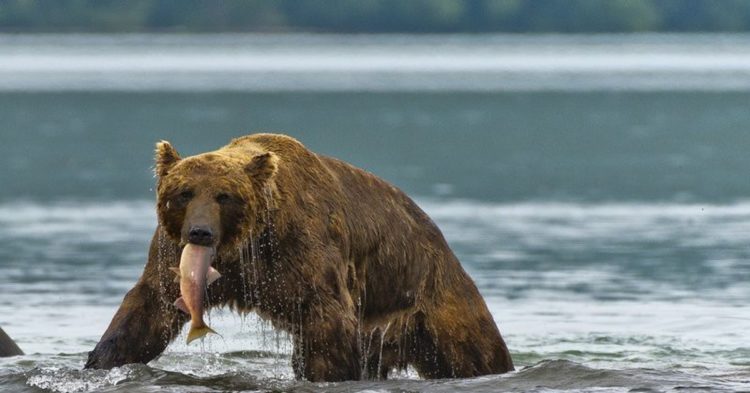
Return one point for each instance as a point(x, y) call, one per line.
point(511, 146)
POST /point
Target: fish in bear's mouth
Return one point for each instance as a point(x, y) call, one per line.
point(194, 274)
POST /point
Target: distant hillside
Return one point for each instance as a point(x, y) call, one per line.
point(374, 16)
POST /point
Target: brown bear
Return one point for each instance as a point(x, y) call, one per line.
point(346, 263)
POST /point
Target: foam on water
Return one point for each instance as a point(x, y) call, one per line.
point(545, 376)
point(590, 297)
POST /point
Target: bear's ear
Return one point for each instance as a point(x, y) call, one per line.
point(262, 167)
point(166, 157)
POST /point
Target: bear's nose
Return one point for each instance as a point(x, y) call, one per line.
point(201, 236)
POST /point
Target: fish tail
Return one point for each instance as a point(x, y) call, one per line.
point(198, 332)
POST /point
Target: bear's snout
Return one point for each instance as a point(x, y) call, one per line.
point(202, 236)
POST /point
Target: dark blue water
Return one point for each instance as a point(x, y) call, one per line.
point(599, 198)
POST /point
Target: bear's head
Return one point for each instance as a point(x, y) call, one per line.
point(211, 199)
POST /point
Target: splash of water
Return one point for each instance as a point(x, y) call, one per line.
point(245, 260)
point(166, 257)
point(380, 355)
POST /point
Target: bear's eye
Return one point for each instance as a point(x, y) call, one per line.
point(223, 198)
point(185, 196)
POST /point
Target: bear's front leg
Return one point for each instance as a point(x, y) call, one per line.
point(140, 330)
point(326, 349)
point(146, 321)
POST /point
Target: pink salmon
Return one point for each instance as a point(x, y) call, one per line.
point(195, 273)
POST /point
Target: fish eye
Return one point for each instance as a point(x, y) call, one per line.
point(223, 198)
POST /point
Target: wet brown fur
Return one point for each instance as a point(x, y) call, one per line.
point(347, 264)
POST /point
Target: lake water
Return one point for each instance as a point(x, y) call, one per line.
point(596, 188)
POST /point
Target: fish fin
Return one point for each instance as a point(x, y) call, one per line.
point(176, 270)
point(198, 332)
point(212, 275)
point(180, 304)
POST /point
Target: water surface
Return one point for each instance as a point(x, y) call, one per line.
point(594, 187)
